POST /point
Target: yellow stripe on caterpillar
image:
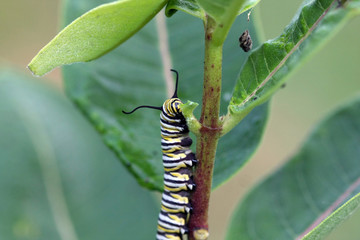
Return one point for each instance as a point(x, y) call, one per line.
point(181, 165)
point(181, 221)
point(173, 135)
point(181, 198)
point(172, 140)
point(177, 189)
point(182, 210)
point(180, 176)
point(173, 149)
point(177, 156)
point(167, 230)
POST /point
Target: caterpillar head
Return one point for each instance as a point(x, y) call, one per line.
point(172, 107)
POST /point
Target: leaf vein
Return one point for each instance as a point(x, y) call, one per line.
point(304, 20)
point(266, 63)
point(279, 210)
point(242, 85)
point(301, 179)
point(334, 156)
point(251, 223)
point(254, 68)
point(320, 5)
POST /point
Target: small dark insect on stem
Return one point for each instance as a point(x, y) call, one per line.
point(245, 41)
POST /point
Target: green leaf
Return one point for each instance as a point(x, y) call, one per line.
point(188, 6)
point(192, 7)
point(57, 179)
point(219, 10)
point(335, 219)
point(133, 75)
point(267, 67)
point(95, 33)
point(313, 184)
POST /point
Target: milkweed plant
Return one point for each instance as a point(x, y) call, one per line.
point(129, 47)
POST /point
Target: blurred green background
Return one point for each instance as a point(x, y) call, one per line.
point(329, 78)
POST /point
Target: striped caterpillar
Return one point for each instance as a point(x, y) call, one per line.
point(178, 160)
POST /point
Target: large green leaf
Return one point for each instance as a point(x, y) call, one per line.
point(133, 75)
point(95, 33)
point(313, 184)
point(267, 67)
point(57, 179)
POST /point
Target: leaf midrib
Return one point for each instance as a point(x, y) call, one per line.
point(165, 52)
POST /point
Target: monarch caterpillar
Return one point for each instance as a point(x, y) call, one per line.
point(178, 160)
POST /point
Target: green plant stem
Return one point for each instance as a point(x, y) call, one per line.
point(209, 135)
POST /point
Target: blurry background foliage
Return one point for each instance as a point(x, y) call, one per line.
point(328, 79)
